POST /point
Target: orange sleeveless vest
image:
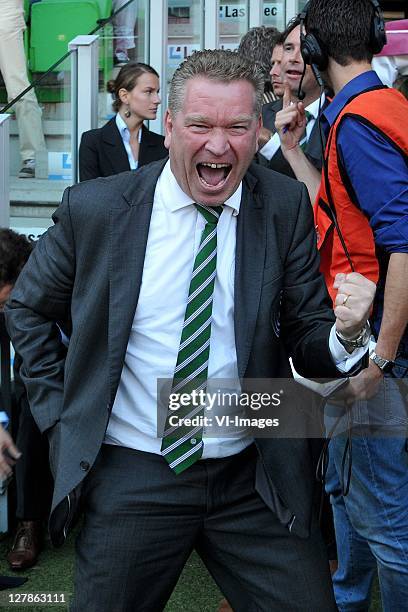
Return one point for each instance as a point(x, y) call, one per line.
point(386, 111)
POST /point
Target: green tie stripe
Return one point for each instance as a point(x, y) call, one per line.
point(190, 415)
point(195, 344)
point(181, 445)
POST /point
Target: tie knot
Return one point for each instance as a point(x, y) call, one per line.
point(210, 213)
point(309, 116)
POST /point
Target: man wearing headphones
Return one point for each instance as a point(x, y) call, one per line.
point(292, 68)
point(361, 214)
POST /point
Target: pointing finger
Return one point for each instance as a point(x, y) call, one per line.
point(286, 101)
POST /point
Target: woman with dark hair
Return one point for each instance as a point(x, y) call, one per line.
point(124, 143)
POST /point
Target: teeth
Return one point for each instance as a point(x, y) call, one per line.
point(215, 166)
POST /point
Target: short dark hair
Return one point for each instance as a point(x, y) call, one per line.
point(280, 40)
point(257, 44)
point(343, 27)
point(127, 79)
point(291, 25)
point(15, 249)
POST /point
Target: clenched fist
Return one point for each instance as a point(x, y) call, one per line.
point(354, 299)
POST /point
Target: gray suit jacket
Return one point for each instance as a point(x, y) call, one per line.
point(313, 148)
point(85, 275)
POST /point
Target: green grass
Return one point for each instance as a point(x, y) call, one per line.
point(54, 572)
point(55, 569)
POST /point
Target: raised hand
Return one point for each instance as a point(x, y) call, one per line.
point(290, 122)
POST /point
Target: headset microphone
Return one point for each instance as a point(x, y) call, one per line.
point(300, 93)
point(317, 75)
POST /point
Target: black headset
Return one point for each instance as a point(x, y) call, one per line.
point(313, 51)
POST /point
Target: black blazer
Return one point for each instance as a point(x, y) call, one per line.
point(88, 268)
point(313, 149)
point(102, 153)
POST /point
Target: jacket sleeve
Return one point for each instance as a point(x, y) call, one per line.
point(89, 167)
point(38, 307)
point(307, 315)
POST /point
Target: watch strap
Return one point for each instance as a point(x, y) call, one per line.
point(385, 365)
point(359, 341)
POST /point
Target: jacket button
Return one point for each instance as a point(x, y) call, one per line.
point(84, 465)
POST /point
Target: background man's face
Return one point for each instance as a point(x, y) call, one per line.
point(276, 71)
point(292, 65)
point(213, 138)
point(5, 291)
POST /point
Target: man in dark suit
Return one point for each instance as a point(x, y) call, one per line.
point(33, 478)
point(270, 153)
point(193, 270)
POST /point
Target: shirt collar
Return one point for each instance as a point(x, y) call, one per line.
point(121, 125)
point(174, 197)
point(352, 88)
point(124, 130)
point(313, 108)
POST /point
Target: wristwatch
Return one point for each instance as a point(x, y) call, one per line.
point(362, 339)
point(385, 365)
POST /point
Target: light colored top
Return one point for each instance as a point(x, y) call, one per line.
point(273, 144)
point(173, 240)
point(11, 18)
point(125, 135)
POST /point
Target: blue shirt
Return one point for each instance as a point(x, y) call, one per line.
point(379, 176)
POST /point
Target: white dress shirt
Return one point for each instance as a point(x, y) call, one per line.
point(273, 144)
point(125, 135)
point(173, 240)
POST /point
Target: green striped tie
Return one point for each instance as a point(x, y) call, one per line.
point(181, 445)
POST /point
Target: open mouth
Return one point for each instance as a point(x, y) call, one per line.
point(213, 175)
point(294, 73)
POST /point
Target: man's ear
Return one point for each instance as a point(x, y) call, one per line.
point(168, 126)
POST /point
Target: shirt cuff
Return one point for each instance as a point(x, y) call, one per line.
point(344, 361)
point(271, 147)
point(4, 420)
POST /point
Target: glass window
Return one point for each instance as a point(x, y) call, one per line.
point(274, 13)
point(234, 22)
point(185, 31)
point(126, 38)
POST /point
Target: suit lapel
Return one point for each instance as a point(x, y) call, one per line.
point(128, 232)
point(147, 148)
point(269, 114)
point(249, 267)
point(113, 147)
point(313, 147)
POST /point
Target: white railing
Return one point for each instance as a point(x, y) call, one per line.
point(4, 171)
point(84, 91)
